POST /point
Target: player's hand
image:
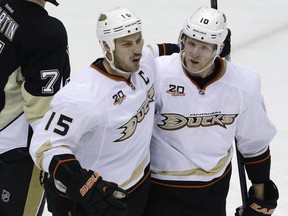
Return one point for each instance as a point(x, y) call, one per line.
point(257, 207)
point(96, 196)
point(225, 52)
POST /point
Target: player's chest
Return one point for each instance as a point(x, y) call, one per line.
point(186, 97)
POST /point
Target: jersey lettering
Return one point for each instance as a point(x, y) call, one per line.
point(176, 121)
point(142, 75)
point(7, 25)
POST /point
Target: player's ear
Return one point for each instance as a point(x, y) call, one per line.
point(106, 46)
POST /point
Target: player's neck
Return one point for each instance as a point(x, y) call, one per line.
point(207, 72)
point(114, 72)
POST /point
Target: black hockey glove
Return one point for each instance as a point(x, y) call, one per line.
point(257, 207)
point(226, 49)
point(96, 196)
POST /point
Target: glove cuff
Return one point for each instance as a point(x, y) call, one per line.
point(271, 193)
point(267, 206)
point(63, 167)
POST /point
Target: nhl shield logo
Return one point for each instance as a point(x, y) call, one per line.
point(5, 196)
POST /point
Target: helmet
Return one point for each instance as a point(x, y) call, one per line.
point(53, 2)
point(116, 23)
point(207, 25)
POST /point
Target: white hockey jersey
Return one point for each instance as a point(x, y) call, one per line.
point(195, 128)
point(104, 121)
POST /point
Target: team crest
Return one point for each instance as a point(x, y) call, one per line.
point(5, 196)
point(102, 17)
point(130, 127)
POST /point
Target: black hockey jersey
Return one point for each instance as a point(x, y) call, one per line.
point(34, 64)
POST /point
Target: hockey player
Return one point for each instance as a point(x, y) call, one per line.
point(202, 103)
point(34, 64)
point(95, 140)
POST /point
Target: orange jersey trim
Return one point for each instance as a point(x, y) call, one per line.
point(117, 78)
point(60, 162)
point(259, 161)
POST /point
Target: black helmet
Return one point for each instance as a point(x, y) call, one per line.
point(53, 2)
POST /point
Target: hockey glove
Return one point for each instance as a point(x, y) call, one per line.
point(96, 196)
point(257, 207)
point(226, 49)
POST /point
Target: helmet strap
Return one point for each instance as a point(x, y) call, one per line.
point(112, 65)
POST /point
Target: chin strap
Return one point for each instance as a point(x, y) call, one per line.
point(111, 63)
point(53, 2)
point(199, 71)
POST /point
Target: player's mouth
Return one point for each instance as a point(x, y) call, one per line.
point(136, 59)
point(193, 62)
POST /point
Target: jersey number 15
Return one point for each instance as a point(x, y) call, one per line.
point(62, 126)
